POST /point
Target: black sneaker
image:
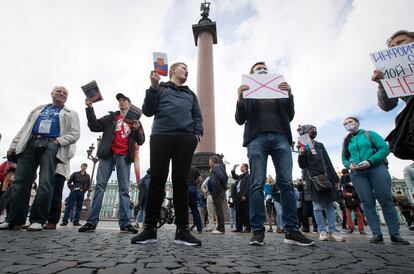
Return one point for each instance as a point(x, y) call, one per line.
point(297, 238)
point(376, 239)
point(257, 238)
point(88, 227)
point(148, 236)
point(129, 229)
point(398, 240)
point(76, 224)
point(184, 237)
point(63, 224)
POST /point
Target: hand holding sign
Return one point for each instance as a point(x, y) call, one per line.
point(265, 86)
point(395, 70)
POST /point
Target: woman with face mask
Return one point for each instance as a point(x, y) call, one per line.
point(314, 162)
point(364, 152)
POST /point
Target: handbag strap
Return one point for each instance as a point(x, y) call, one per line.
point(323, 163)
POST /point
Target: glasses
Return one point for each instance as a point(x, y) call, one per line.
point(348, 122)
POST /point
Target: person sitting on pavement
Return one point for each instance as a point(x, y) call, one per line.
point(316, 162)
point(364, 152)
point(116, 149)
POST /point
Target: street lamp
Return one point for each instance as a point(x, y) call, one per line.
point(94, 159)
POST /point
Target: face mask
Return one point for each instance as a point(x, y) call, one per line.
point(312, 134)
point(351, 128)
point(261, 71)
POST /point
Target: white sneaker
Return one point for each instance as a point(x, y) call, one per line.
point(323, 236)
point(4, 225)
point(336, 237)
point(35, 227)
point(215, 231)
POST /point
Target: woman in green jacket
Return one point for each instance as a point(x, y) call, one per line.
point(364, 153)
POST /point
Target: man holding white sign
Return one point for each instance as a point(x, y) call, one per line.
point(386, 103)
point(267, 132)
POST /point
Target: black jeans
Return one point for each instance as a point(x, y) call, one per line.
point(56, 204)
point(243, 209)
point(308, 212)
point(39, 152)
point(179, 149)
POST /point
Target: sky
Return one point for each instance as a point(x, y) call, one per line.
point(320, 46)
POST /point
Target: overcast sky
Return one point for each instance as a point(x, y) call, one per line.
point(321, 47)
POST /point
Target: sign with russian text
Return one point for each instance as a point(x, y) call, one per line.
point(263, 86)
point(397, 64)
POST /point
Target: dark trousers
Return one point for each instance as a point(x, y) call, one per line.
point(218, 201)
point(408, 217)
point(75, 199)
point(56, 204)
point(308, 212)
point(239, 221)
point(243, 209)
point(5, 201)
point(192, 202)
point(300, 216)
point(179, 149)
point(39, 152)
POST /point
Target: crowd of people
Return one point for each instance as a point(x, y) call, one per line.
point(47, 141)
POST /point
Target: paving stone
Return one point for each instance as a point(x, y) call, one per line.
point(120, 269)
point(108, 251)
point(163, 265)
point(78, 271)
point(220, 269)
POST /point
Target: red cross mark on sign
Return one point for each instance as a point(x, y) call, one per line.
point(266, 85)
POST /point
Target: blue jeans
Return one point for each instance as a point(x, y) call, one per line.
point(232, 216)
point(192, 202)
point(278, 147)
point(329, 208)
point(75, 198)
point(279, 214)
point(103, 174)
point(376, 180)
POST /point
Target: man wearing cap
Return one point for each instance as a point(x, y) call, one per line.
point(44, 141)
point(399, 38)
point(267, 132)
point(116, 149)
point(78, 183)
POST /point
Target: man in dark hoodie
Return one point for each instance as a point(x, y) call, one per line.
point(116, 149)
point(267, 133)
point(176, 129)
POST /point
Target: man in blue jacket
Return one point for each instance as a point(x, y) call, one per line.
point(176, 129)
point(267, 132)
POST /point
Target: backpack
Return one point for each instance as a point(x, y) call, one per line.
point(374, 148)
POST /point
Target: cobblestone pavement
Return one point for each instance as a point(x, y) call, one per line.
point(109, 251)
